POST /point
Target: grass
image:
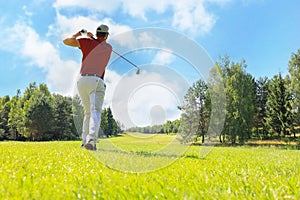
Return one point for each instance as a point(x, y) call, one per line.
point(62, 170)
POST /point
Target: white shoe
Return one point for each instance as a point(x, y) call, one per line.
point(91, 145)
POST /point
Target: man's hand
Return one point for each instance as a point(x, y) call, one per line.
point(72, 41)
point(90, 35)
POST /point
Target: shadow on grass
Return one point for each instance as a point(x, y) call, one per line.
point(149, 154)
point(279, 146)
point(255, 145)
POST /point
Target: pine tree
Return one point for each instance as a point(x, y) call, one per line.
point(104, 123)
point(279, 110)
point(261, 102)
point(112, 125)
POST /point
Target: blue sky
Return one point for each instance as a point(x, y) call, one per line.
point(263, 32)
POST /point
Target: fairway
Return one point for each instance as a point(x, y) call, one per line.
point(63, 170)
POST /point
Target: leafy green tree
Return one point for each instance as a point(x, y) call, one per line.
point(279, 109)
point(168, 127)
point(176, 125)
point(294, 69)
point(4, 111)
point(63, 126)
point(28, 93)
point(39, 114)
point(78, 114)
point(240, 101)
point(195, 113)
point(15, 119)
point(216, 87)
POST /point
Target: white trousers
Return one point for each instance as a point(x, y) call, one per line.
point(91, 91)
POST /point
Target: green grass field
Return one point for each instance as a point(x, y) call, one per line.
point(62, 170)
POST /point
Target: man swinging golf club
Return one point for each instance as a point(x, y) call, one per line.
point(95, 57)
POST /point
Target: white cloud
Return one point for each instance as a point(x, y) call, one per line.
point(26, 42)
point(137, 8)
point(26, 11)
point(192, 16)
point(101, 5)
point(163, 58)
point(220, 2)
point(65, 26)
point(147, 98)
point(189, 15)
point(138, 100)
point(145, 39)
point(135, 39)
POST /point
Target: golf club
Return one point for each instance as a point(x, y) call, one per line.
point(83, 31)
point(138, 69)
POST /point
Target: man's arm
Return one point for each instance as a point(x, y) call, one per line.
point(72, 41)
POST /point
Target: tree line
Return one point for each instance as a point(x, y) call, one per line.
point(254, 109)
point(266, 108)
point(39, 115)
point(168, 127)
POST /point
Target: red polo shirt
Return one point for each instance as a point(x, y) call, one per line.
point(95, 55)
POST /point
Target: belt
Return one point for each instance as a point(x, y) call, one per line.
point(92, 75)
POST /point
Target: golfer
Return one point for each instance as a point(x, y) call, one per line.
point(95, 56)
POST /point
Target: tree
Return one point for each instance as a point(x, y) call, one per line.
point(108, 125)
point(240, 100)
point(28, 93)
point(63, 124)
point(120, 127)
point(2, 134)
point(218, 103)
point(78, 114)
point(39, 115)
point(261, 104)
point(15, 117)
point(104, 122)
point(279, 109)
point(168, 127)
point(176, 125)
point(294, 69)
point(112, 124)
point(4, 111)
point(195, 112)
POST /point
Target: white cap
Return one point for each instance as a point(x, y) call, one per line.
point(102, 29)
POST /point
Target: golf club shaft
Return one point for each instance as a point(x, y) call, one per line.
point(125, 59)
